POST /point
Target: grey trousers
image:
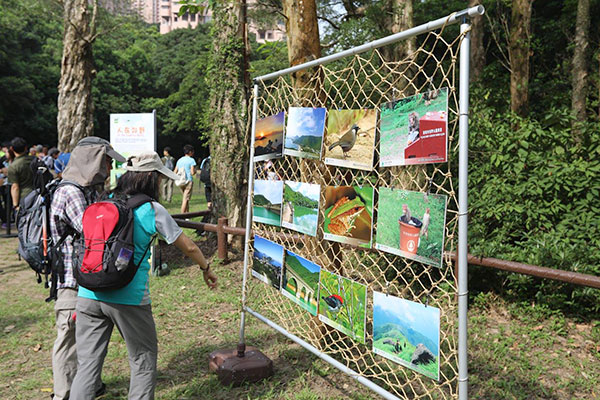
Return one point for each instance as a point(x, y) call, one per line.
point(166, 189)
point(64, 352)
point(95, 322)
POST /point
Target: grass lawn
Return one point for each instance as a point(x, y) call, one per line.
point(517, 351)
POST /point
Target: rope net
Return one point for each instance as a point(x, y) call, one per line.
point(367, 81)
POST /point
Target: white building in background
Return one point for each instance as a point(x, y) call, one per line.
point(166, 14)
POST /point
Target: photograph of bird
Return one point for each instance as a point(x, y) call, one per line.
point(347, 140)
point(334, 303)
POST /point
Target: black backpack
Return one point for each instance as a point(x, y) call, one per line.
point(35, 241)
point(103, 255)
point(205, 171)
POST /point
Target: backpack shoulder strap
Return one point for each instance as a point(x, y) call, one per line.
point(137, 200)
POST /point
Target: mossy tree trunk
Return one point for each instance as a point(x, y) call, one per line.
point(229, 138)
point(75, 119)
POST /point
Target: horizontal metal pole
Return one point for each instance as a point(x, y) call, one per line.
point(353, 374)
point(574, 278)
point(417, 30)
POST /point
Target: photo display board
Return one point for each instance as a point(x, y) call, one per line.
point(368, 212)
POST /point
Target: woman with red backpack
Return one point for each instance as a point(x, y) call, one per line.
point(129, 307)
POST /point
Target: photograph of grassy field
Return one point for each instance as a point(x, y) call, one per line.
point(304, 133)
point(407, 333)
point(301, 207)
point(350, 138)
point(411, 225)
point(343, 305)
point(301, 281)
point(349, 215)
point(266, 202)
point(267, 261)
point(414, 130)
point(268, 137)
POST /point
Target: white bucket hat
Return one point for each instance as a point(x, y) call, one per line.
point(149, 161)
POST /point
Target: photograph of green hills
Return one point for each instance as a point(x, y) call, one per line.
point(304, 132)
point(407, 333)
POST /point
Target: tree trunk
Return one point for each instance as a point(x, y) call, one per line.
point(518, 52)
point(579, 77)
point(75, 119)
point(477, 49)
point(400, 18)
point(228, 140)
point(303, 42)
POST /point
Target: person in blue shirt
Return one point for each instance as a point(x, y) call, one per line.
point(129, 308)
point(60, 163)
point(187, 164)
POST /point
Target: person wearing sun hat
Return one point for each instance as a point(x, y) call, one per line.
point(129, 308)
point(90, 165)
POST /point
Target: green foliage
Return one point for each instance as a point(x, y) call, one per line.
point(534, 198)
point(30, 54)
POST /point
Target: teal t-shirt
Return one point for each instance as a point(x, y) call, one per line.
point(186, 162)
point(149, 219)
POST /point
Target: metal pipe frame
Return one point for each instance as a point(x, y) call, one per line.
point(463, 222)
point(453, 18)
point(330, 360)
point(248, 214)
point(417, 30)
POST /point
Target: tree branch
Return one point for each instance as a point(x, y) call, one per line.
point(334, 25)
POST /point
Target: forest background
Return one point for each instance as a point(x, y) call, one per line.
point(534, 120)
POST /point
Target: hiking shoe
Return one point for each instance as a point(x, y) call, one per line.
point(101, 391)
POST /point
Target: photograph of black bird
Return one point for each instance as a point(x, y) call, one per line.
point(347, 140)
point(334, 303)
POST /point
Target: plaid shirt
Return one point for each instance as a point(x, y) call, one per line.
point(66, 211)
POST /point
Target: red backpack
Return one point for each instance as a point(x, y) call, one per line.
point(103, 254)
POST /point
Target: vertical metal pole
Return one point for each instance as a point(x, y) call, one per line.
point(248, 217)
point(153, 266)
point(463, 174)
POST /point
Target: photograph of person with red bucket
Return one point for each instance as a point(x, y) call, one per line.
point(411, 225)
point(414, 130)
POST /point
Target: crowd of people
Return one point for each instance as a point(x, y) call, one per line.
point(16, 180)
point(86, 318)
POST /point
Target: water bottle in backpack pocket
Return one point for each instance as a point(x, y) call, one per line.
point(103, 255)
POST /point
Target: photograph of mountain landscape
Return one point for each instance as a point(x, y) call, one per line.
point(301, 207)
point(268, 137)
point(349, 215)
point(414, 130)
point(301, 282)
point(412, 225)
point(304, 133)
point(267, 202)
point(267, 260)
point(350, 139)
point(407, 333)
point(343, 305)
